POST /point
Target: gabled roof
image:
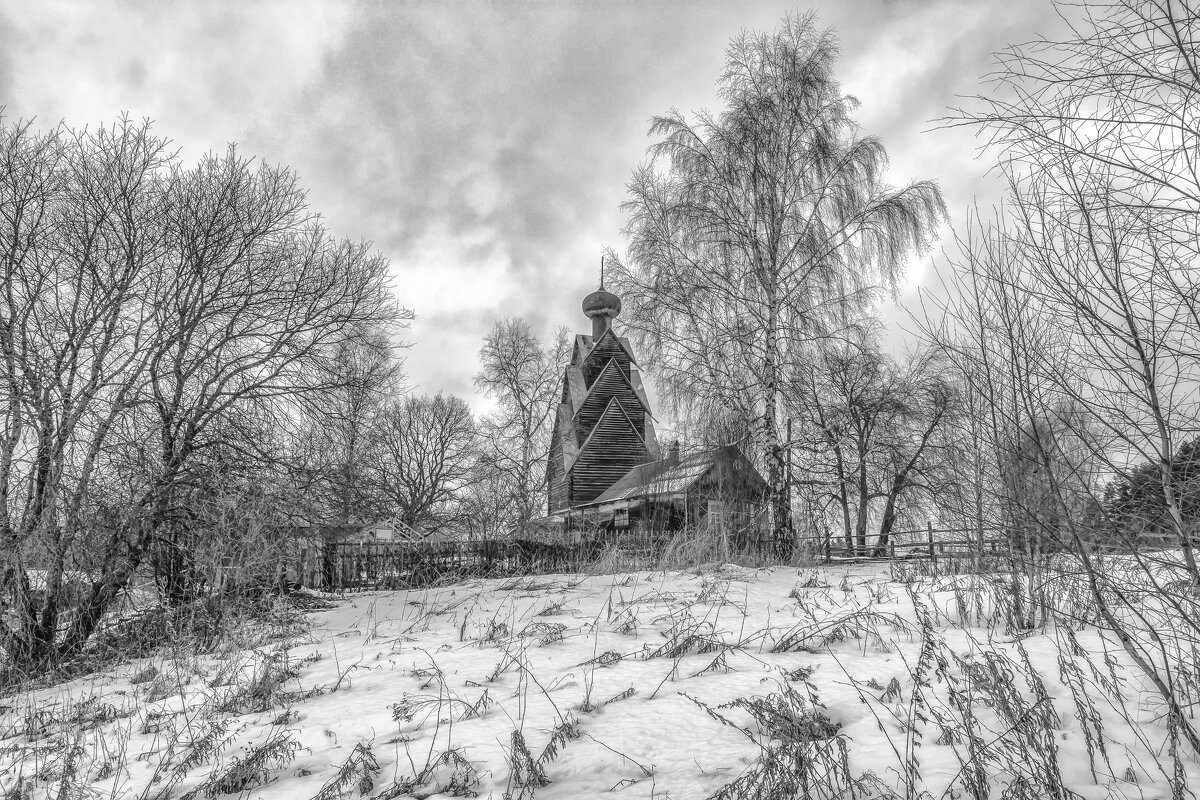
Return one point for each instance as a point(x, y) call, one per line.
point(638, 478)
point(665, 478)
point(610, 367)
point(611, 410)
point(659, 478)
point(621, 341)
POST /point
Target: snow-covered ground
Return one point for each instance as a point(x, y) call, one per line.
point(722, 682)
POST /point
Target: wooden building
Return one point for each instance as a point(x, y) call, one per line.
point(603, 427)
point(606, 472)
point(715, 485)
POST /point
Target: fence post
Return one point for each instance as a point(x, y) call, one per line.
point(929, 533)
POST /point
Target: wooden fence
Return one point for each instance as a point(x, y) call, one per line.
point(346, 566)
point(388, 565)
point(923, 543)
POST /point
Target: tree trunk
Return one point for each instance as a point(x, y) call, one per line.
point(864, 500)
point(174, 568)
point(889, 518)
point(843, 498)
point(776, 468)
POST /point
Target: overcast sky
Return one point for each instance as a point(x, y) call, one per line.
point(484, 148)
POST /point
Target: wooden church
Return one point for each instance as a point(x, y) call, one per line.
point(606, 471)
point(603, 428)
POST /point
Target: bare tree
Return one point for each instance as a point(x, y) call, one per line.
point(427, 451)
point(485, 507)
point(523, 376)
point(754, 231)
point(258, 301)
point(873, 430)
point(1101, 130)
point(1003, 351)
point(75, 330)
point(338, 443)
point(151, 315)
point(1076, 316)
point(920, 461)
point(851, 392)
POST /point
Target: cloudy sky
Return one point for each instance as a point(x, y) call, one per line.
point(484, 147)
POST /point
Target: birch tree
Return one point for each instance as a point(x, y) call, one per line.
point(756, 229)
point(524, 377)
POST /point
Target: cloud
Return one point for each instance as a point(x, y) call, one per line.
point(8, 38)
point(206, 73)
point(485, 140)
point(484, 148)
point(928, 58)
point(487, 153)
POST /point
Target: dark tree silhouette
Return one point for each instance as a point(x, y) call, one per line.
point(427, 452)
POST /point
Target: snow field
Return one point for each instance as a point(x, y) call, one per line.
point(724, 682)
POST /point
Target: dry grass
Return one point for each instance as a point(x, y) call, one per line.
point(1015, 712)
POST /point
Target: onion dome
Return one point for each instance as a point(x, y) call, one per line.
point(601, 303)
